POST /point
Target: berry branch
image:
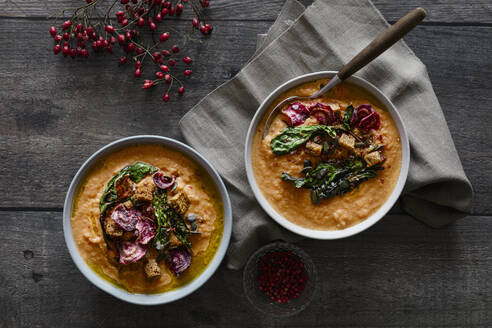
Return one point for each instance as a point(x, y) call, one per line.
point(133, 20)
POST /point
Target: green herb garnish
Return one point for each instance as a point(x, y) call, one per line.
point(349, 111)
point(332, 179)
point(294, 137)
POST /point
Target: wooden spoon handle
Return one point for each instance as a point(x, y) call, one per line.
point(383, 42)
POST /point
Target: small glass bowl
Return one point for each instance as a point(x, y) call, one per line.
point(261, 301)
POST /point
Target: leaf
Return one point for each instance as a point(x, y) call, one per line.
point(331, 179)
point(293, 137)
point(349, 111)
point(136, 171)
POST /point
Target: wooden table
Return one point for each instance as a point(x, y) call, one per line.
point(54, 113)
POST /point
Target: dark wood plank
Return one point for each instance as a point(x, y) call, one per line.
point(442, 11)
point(54, 113)
point(398, 273)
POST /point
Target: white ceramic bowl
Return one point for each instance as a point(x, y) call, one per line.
point(147, 299)
point(375, 217)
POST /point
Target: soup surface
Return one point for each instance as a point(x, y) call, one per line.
point(204, 204)
point(363, 159)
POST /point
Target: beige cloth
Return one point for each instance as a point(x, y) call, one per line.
point(324, 37)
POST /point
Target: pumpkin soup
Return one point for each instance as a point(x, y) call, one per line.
point(147, 218)
point(330, 162)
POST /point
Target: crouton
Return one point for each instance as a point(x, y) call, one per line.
point(124, 186)
point(152, 269)
point(144, 190)
point(373, 158)
point(180, 203)
point(111, 228)
point(347, 141)
point(128, 204)
point(174, 241)
point(313, 148)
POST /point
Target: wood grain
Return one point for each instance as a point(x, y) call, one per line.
point(382, 277)
point(441, 11)
point(55, 112)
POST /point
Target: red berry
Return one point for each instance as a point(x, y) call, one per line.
point(166, 4)
point(160, 75)
point(109, 49)
point(165, 53)
point(187, 72)
point(148, 84)
point(130, 47)
point(141, 22)
point(128, 35)
point(164, 68)
point(179, 8)
point(66, 36)
point(181, 89)
point(171, 62)
point(58, 38)
point(124, 2)
point(121, 39)
point(123, 60)
point(158, 2)
point(53, 31)
point(120, 13)
point(206, 3)
point(152, 26)
point(166, 97)
point(171, 11)
point(57, 49)
point(187, 60)
point(168, 78)
point(90, 30)
point(195, 22)
point(138, 64)
point(84, 53)
point(66, 24)
point(156, 55)
point(137, 73)
point(124, 22)
point(94, 45)
point(175, 49)
point(105, 43)
point(158, 17)
point(109, 29)
point(88, 1)
point(65, 50)
point(164, 11)
point(140, 51)
point(164, 37)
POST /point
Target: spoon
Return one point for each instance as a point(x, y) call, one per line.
point(379, 45)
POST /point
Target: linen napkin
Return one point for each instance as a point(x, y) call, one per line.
point(324, 37)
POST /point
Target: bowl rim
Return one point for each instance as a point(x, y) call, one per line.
point(108, 287)
point(376, 216)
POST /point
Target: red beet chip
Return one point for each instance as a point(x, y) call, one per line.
point(125, 218)
point(147, 230)
point(163, 181)
point(179, 260)
point(371, 121)
point(323, 113)
point(295, 114)
point(359, 113)
point(131, 252)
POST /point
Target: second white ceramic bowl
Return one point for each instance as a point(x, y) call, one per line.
point(375, 217)
point(147, 299)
